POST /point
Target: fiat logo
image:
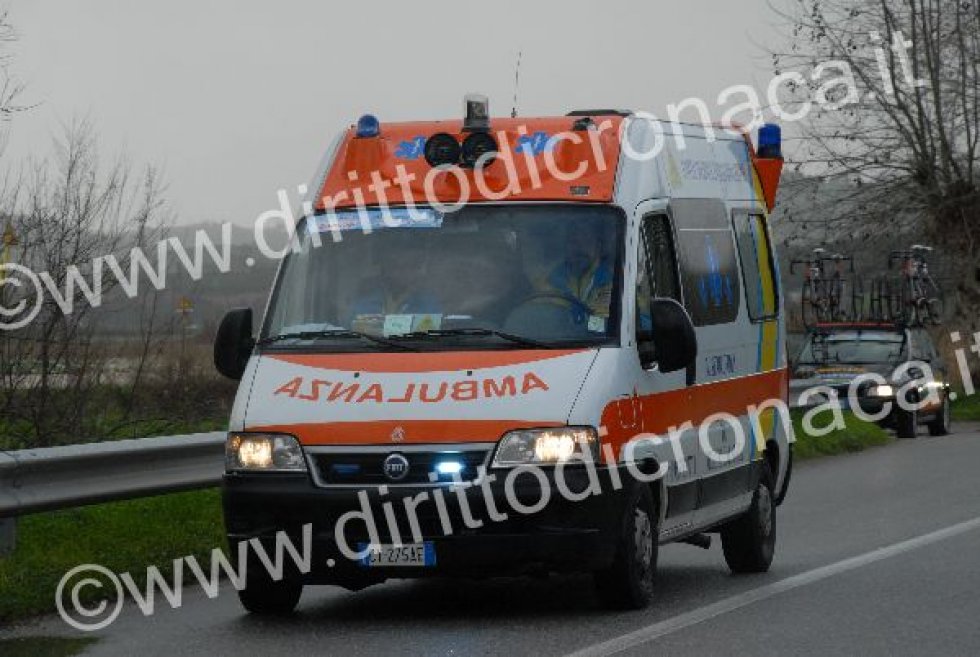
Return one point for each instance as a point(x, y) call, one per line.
point(395, 467)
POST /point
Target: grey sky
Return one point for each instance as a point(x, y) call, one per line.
point(239, 99)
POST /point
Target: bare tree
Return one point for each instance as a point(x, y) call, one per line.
point(10, 87)
point(903, 124)
point(68, 212)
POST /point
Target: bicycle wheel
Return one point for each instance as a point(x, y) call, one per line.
point(892, 301)
point(876, 304)
point(835, 292)
point(808, 311)
point(908, 313)
point(859, 309)
point(935, 303)
point(932, 309)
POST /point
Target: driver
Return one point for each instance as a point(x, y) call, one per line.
point(582, 280)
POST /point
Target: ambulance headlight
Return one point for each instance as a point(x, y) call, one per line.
point(266, 452)
point(547, 446)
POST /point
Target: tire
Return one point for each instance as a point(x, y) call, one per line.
point(629, 582)
point(749, 541)
point(784, 489)
point(907, 423)
point(263, 596)
point(941, 425)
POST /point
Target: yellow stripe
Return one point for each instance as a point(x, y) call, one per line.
point(770, 328)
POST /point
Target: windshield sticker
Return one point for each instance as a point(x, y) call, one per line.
point(429, 322)
point(597, 324)
point(397, 325)
point(374, 219)
point(407, 323)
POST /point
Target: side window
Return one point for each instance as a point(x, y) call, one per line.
point(656, 266)
point(707, 261)
point(758, 274)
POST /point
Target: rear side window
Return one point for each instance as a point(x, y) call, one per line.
point(707, 261)
point(758, 272)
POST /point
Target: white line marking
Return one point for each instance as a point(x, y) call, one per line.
point(702, 614)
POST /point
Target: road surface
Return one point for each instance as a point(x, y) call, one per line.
point(878, 553)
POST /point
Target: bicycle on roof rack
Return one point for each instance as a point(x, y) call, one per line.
point(918, 299)
point(825, 289)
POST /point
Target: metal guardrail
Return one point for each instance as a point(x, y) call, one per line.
point(34, 480)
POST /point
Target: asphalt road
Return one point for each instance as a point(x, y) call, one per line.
point(878, 554)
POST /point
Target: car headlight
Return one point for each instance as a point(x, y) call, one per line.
point(547, 446)
point(263, 452)
point(882, 391)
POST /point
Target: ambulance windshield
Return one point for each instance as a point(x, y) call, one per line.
point(487, 276)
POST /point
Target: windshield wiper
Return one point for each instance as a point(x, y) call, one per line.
point(478, 332)
point(342, 334)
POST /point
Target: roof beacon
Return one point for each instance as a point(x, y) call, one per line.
point(477, 109)
point(368, 126)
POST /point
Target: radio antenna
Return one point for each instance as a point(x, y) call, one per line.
point(517, 82)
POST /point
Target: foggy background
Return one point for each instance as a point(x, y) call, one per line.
point(235, 100)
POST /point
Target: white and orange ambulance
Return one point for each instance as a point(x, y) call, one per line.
point(516, 345)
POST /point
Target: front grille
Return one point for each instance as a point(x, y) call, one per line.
point(366, 468)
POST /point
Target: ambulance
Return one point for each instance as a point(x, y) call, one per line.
point(511, 346)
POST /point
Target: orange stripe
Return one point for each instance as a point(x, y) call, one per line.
point(448, 361)
point(415, 431)
point(659, 412)
point(663, 410)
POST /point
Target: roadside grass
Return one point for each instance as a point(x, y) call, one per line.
point(44, 646)
point(856, 436)
point(966, 408)
point(122, 536)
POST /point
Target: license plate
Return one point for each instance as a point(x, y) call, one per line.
point(410, 554)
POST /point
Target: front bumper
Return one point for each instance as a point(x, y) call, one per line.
point(564, 535)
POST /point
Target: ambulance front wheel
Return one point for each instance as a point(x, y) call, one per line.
point(749, 541)
point(628, 583)
point(267, 597)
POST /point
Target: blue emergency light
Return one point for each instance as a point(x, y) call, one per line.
point(449, 467)
point(368, 126)
point(770, 141)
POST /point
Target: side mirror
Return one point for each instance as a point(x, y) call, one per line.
point(671, 342)
point(234, 343)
